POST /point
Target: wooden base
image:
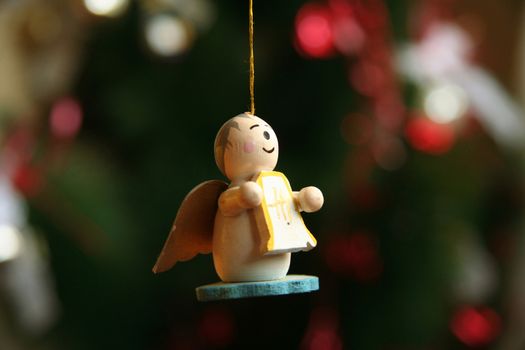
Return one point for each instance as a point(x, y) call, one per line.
point(291, 284)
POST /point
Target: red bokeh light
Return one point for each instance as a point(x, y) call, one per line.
point(313, 31)
point(28, 180)
point(356, 256)
point(322, 333)
point(389, 152)
point(66, 118)
point(366, 197)
point(349, 37)
point(217, 327)
point(368, 78)
point(20, 141)
point(476, 327)
point(389, 109)
point(430, 137)
point(342, 8)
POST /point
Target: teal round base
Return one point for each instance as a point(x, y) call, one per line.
point(291, 284)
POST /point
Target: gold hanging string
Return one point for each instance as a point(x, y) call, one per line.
point(252, 64)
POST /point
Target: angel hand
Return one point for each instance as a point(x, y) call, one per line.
point(251, 194)
point(310, 199)
point(238, 199)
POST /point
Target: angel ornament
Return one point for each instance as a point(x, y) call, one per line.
point(251, 226)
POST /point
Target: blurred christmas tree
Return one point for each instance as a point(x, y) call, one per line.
point(108, 113)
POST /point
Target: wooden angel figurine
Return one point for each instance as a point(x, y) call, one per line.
point(254, 224)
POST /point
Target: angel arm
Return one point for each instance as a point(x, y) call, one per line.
point(310, 199)
point(237, 199)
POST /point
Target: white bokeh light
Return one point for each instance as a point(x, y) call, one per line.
point(446, 103)
point(167, 35)
point(109, 8)
point(10, 243)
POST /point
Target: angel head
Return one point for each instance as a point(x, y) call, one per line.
point(244, 146)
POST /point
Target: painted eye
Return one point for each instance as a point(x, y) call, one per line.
point(266, 135)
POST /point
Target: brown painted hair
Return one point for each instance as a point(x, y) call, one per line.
point(221, 140)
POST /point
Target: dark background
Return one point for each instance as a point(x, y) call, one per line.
point(387, 253)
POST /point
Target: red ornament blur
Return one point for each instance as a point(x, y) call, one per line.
point(476, 326)
point(217, 327)
point(314, 35)
point(28, 180)
point(355, 256)
point(66, 118)
point(322, 332)
point(429, 137)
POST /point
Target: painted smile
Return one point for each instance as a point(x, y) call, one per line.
point(269, 150)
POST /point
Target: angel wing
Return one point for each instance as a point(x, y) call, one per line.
point(192, 229)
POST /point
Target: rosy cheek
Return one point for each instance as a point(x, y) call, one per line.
point(249, 146)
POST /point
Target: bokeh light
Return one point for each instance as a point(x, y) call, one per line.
point(168, 35)
point(107, 8)
point(217, 327)
point(349, 37)
point(355, 256)
point(388, 152)
point(476, 327)
point(201, 13)
point(66, 118)
point(430, 137)
point(10, 243)
point(313, 31)
point(389, 110)
point(323, 331)
point(446, 103)
point(368, 78)
point(27, 179)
